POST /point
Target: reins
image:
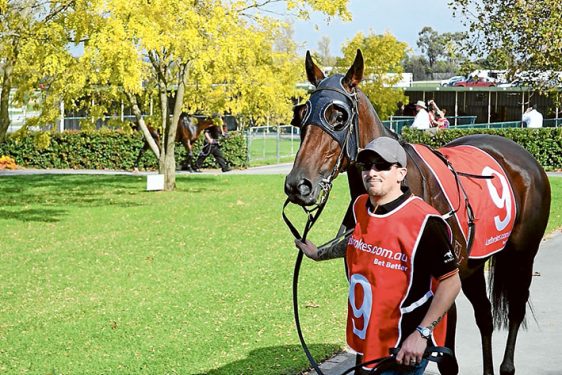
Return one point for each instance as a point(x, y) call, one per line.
point(312, 216)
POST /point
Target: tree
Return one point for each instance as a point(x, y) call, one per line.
point(323, 56)
point(442, 51)
point(383, 55)
point(33, 50)
point(208, 56)
point(526, 35)
point(418, 66)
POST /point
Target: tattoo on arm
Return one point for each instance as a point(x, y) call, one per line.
point(336, 250)
point(435, 322)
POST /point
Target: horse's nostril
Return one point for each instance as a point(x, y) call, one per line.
point(305, 187)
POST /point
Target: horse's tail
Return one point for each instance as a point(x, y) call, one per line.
point(509, 279)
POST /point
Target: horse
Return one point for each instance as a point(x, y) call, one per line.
point(339, 119)
point(187, 133)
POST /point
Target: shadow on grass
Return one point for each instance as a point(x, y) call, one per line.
point(278, 360)
point(54, 193)
point(38, 215)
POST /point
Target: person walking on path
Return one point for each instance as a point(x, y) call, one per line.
point(211, 146)
point(402, 272)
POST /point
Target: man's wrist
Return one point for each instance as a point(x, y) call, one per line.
point(425, 332)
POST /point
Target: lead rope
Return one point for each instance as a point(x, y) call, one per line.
point(313, 214)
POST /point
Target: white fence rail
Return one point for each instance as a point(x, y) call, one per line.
point(272, 144)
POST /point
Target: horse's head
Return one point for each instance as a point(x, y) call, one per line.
point(328, 125)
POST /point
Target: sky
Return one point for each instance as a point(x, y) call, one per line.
point(402, 18)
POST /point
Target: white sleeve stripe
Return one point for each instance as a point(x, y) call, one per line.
point(417, 304)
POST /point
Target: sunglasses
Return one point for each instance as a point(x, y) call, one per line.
point(379, 165)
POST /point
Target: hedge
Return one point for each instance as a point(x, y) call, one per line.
point(118, 150)
point(545, 144)
point(113, 150)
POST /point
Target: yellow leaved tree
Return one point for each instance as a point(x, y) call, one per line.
point(383, 54)
point(210, 56)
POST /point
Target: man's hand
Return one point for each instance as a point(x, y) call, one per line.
point(412, 350)
point(308, 248)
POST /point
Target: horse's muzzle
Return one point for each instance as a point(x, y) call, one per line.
point(300, 191)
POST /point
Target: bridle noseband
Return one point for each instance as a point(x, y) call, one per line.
point(330, 91)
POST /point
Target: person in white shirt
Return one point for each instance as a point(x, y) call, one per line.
point(532, 118)
point(421, 121)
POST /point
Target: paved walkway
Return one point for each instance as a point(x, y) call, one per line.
point(284, 168)
point(539, 348)
point(267, 169)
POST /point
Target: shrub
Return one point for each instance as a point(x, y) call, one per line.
point(7, 162)
point(544, 144)
point(104, 149)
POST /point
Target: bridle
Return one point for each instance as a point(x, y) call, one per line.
point(330, 91)
point(333, 94)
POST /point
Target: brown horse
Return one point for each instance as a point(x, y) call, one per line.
point(187, 133)
point(339, 118)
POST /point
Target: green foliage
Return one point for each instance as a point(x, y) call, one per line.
point(525, 35)
point(106, 149)
point(382, 55)
point(544, 144)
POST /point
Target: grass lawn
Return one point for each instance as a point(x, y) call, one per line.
point(99, 276)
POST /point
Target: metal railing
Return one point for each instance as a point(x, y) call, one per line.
point(272, 144)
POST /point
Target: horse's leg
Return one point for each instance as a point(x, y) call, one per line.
point(187, 162)
point(517, 293)
point(449, 366)
point(139, 156)
point(474, 288)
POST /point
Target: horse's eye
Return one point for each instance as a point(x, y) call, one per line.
point(339, 118)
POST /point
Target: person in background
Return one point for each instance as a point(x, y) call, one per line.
point(401, 266)
point(422, 120)
point(211, 146)
point(532, 118)
point(437, 116)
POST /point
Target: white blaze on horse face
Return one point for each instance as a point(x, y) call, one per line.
point(363, 311)
point(503, 201)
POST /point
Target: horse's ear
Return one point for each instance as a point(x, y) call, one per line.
point(355, 73)
point(313, 73)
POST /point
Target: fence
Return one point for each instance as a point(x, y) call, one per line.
point(272, 144)
point(396, 123)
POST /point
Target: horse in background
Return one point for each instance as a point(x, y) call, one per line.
point(189, 129)
point(345, 120)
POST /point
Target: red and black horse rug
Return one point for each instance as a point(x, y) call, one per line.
point(489, 200)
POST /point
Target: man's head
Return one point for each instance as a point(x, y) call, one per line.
point(383, 168)
point(419, 105)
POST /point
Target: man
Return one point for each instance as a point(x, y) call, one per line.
point(212, 146)
point(532, 118)
point(399, 250)
point(422, 120)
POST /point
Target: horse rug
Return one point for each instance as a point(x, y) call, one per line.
point(491, 199)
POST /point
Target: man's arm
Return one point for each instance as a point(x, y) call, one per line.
point(333, 249)
point(415, 345)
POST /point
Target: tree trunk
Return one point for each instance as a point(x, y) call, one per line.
point(138, 115)
point(5, 99)
point(167, 161)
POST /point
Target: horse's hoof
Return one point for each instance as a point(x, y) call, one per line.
point(507, 370)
